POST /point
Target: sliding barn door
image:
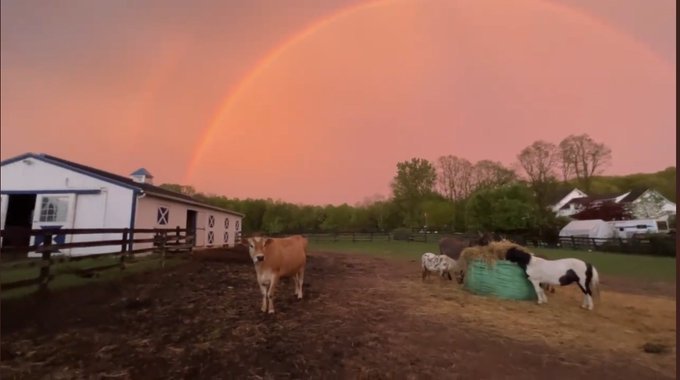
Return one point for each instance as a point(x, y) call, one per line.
point(56, 212)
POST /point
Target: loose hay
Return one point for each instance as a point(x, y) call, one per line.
point(490, 253)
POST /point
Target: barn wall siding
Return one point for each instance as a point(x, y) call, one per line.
point(109, 208)
point(101, 203)
point(147, 217)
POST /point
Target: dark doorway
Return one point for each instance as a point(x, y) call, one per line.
point(19, 222)
point(191, 223)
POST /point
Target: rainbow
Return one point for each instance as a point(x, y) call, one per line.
point(227, 104)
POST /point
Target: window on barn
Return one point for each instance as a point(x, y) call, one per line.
point(226, 236)
point(163, 215)
point(226, 223)
point(237, 225)
point(53, 209)
point(211, 237)
point(211, 221)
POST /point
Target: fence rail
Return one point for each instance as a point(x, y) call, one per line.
point(648, 245)
point(374, 236)
point(164, 241)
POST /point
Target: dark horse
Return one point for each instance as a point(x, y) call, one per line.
point(453, 246)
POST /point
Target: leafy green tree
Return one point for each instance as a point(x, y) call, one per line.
point(510, 208)
point(439, 213)
point(276, 218)
point(413, 183)
point(415, 179)
point(338, 218)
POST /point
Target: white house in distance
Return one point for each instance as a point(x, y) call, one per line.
point(41, 191)
point(644, 203)
point(564, 206)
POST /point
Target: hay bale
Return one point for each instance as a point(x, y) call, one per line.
point(488, 273)
point(490, 253)
point(502, 279)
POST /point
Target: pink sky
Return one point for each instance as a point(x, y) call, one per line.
point(350, 91)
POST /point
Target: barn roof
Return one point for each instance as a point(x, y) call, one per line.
point(560, 194)
point(633, 195)
point(120, 180)
point(142, 171)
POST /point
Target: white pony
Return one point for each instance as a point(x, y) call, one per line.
point(558, 272)
point(431, 262)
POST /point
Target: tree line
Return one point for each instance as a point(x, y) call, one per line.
point(454, 194)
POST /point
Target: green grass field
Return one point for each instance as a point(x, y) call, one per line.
point(648, 268)
point(65, 276)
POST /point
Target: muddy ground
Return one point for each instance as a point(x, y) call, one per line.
point(362, 317)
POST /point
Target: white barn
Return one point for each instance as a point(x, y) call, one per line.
point(42, 191)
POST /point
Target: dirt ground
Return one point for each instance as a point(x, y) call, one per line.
point(361, 318)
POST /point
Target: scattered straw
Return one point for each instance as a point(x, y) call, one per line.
point(490, 253)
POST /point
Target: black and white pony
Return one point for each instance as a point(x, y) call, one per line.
point(443, 264)
point(557, 272)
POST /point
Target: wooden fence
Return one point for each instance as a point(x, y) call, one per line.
point(372, 236)
point(646, 245)
point(656, 245)
point(165, 242)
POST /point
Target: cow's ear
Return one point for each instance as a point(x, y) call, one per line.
point(268, 241)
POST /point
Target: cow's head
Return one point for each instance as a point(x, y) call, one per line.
point(256, 246)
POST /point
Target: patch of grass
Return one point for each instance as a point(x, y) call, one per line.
point(650, 268)
point(620, 264)
point(66, 273)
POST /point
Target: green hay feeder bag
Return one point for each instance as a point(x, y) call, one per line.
point(502, 279)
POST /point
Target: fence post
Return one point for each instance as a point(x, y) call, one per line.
point(353, 237)
point(123, 248)
point(163, 239)
point(573, 242)
point(177, 234)
point(46, 263)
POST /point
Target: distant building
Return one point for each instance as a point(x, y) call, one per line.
point(643, 203)
point(42, 191)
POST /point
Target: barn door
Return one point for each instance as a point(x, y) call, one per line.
point(53, 211)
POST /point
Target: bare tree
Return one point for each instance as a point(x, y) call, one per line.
point(539, 161)
point(454, 177)
point(487, 173)
point(582, 157)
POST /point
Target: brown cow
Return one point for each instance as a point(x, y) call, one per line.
point(276, 258)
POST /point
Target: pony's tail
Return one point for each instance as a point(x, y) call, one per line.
point(595, 285)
